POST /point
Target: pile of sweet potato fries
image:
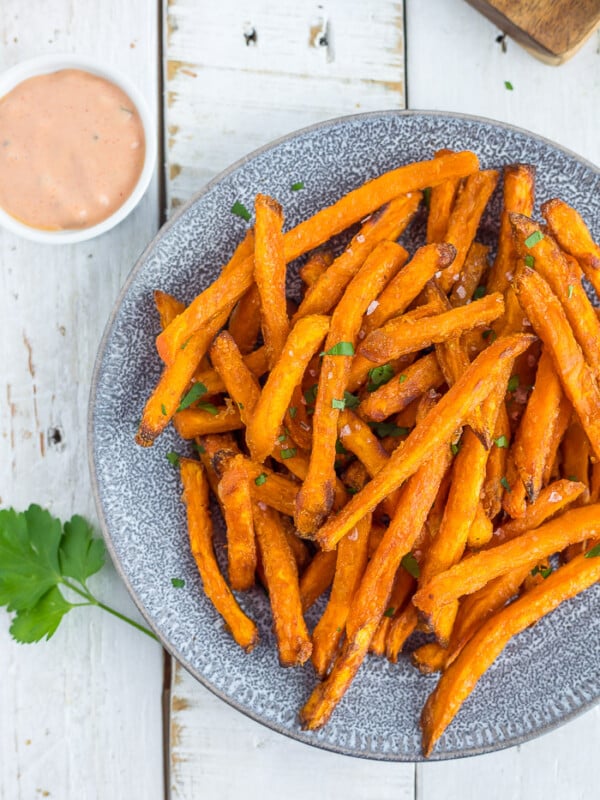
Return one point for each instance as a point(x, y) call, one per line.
point(420, 435)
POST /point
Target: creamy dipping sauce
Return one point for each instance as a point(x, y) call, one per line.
point(72, 150)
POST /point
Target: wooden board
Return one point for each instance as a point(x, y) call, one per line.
point(80, 716)
point(552, 30)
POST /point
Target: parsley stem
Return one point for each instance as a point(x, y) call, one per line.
point(92, 601)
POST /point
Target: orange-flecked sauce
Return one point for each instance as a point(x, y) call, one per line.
point(71, 150)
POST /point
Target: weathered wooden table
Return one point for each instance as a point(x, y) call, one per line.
point(100, 711)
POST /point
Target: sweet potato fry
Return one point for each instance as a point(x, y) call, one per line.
point(576, 458)
point(198, 422)
point(317, 577)
point(472, 573)
point(236, 277)
point(167, 306)
point(315, 498)
point(481, 530)
point(476, 608)
point(573, 236)
point(401, 335)
point(404, 586)
point(269, 274)
point(470, 275)
point(265, 421)
point(464, 221)
point(256, 362)
point(406, 285)
point(531, 448)
point(371, 598)
point(561, 424)
point(281, 574)
point(385, 226)
point(402, 389)
point(195, 497)
point(550, 323)
point(437, 427)
point(315, 266)
point(349, 569)
point(236, 502)
point(244, 322)
point(441, 202)
point(429, 658)
point(403, 626)
point(481, 651)
point(175, 379)
point(565, 281)
point(518, 197)
point(240, 383)
point(493, 489)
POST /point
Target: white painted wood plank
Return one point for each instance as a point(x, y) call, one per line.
point(308, 62)
point(81, 715)
point(219, 753)
point(454, 63)
point(225, 98)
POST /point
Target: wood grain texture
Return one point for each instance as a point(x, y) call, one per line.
point(80, 716)
point(553, 29)
point(238, 75)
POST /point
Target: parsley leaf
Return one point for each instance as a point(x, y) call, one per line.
point(529, 261)
point(427, 196)
point(513, 384)
point(489, 334)
point(339, 349)
point(382, 429)
point(163, 408)
point(199, 448)
point(402, 378)
point(505, 484)
point(297, 186)
point(38, 554)
point(260, 479)
point(209, 408)
point(543, 571)
point(534, 238)
point(501, 441)
point(351, 400)
point(195, 393)
point(389, 612)
point(571, 287)
point(240, 210)
point(340, 405)
point(411, 565)
point(177, 583)
point(173, 458)
point(292, 410)
point(479, 292)
point(594, 552)
point(379, 376)
point(290, 452)
point(310, 395)
point(340, 449)
point(508, 85)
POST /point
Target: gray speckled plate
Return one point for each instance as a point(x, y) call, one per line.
point(546, 675)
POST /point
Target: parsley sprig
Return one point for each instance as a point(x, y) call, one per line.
point(39, 557)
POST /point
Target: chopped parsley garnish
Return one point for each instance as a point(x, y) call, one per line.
point(340, 449)
point(505, 484)
point(292, 411)
point(411, 565)
point(340, 405)
point(378, 376)
point(571, 287)
point(209, 408)
point(199, 448)
point(240, 210)
point(534, 238)
point(240, 405)
point(501, 441)
point(543, 571)
point(427, 196)
point(513, 384)
point(529, 261)
point(455, 448)
point(282, 437)
point(195, 393)
point(173, 458)
point(339, 349)
point(163, 409)
point(382, 429)
point(402, 378)
point(310, 395)
point(184, 345)
point(479, 292)
point(290, 452)
point(351, 489)
point(489, 334)
point(260, 479)
point(389, 612)
point(594, 552)
point(508, 85)
point(351, 400)
point(297, 186)
point(573, 478)
point(178, 583)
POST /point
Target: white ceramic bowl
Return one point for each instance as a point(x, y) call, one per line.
point(52, 63)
